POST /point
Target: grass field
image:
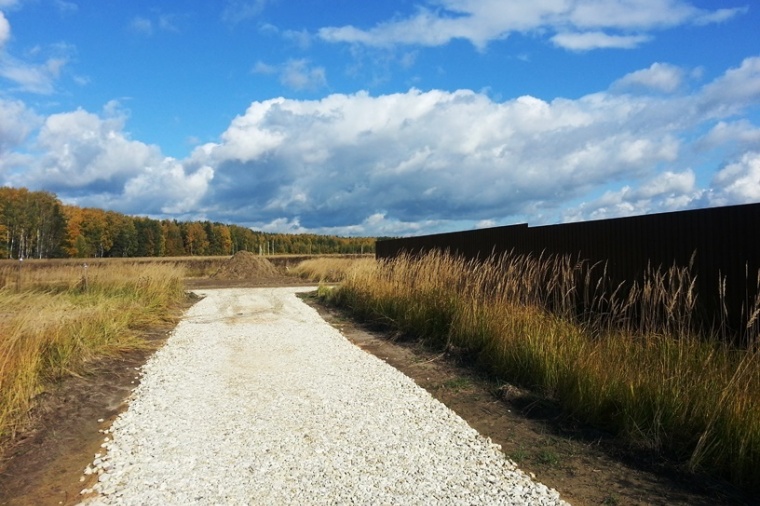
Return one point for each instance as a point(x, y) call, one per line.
point(56, 317)
point(634, 367)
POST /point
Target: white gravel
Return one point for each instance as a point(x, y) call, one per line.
point(256, 400)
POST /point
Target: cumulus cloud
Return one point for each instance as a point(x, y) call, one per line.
point(658, 77)
point(16, 123)
point(738, 182)
point(669, 191)
point(419, 161)
point(741, 133)
point(438, 157)
point(731, 92)
point(165, 187)
point(82, 149)
point(89, 158)
point(579, 25)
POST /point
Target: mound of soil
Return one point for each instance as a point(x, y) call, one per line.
point(246, 265)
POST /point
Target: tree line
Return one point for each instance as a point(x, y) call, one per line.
point(35, 224)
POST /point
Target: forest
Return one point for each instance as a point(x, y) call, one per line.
point(35, 224)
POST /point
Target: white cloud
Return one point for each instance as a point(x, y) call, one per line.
point(31, 78)
point(298, 75)
point(5, 30)
point(725, 133)
point(585, 41)
point(16, 123)
point(82, 149)
point(433, 155)
point(440, 157)
point(659, 77)
point(376, 225)
point(577, 25)
point(88, 158)
point(165, 188)
point(738, 182)
point(486, 224)
point(36, 77)
point(639, 14)
point(415, 162)
point(719, 15)
point(669, 191)
point(734, 90)
point(241, 10)
point(244, 140)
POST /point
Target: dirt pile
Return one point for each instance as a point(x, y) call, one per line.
point(246, 265)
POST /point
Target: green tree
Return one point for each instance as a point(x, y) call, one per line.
point(32, 224)
point(150, 237)
point(95, 229)
point(175, 246)
point(122, 229)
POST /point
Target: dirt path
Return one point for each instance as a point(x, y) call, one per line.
point(256, 400)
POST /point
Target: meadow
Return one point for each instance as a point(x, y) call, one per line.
point(58, 317)
point(633, 363)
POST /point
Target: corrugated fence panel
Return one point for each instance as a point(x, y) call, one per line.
point(726, 241)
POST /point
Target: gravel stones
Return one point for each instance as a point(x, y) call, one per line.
point(256, 400)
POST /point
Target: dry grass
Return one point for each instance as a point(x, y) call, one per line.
point(329, 269)
point(630, 361)
point(56, 317)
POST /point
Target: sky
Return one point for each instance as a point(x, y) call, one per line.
point(388, 118)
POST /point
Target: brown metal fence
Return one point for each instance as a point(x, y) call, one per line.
point(725, 242)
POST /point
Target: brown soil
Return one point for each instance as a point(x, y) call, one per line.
point(45, 463)
point(246, 270)
point(246, 265)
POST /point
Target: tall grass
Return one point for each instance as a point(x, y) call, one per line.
point(627, 359)
point(54, 319)
point(329, 269)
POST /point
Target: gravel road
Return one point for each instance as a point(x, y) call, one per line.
point(256, 400)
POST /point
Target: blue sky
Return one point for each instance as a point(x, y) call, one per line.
point(399, 117)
